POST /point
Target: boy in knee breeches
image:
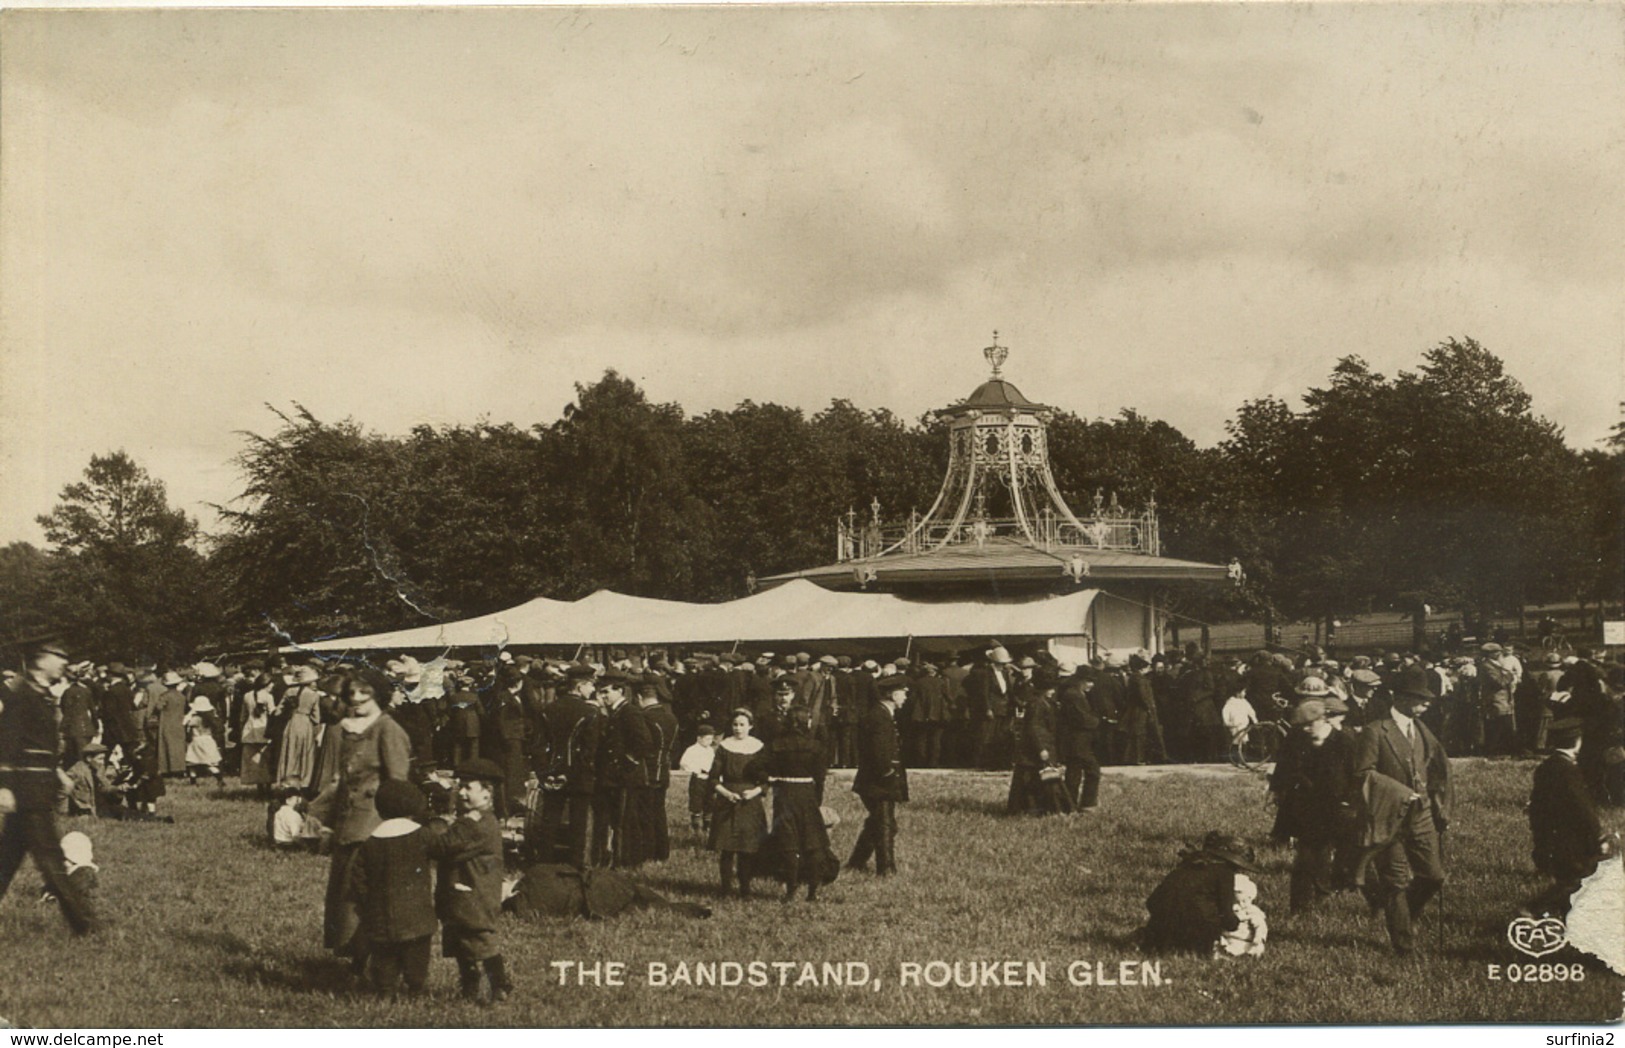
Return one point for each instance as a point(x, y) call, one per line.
point(468, 888)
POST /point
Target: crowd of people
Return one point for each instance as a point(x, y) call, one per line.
point(564, 766)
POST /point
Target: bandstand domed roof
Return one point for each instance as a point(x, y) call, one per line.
point(996, 394)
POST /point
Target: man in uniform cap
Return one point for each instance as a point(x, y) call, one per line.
point(1404, 761)
point(29, 779)
point(618, 745)
point(772, 715)
point(652, 735)
point(882, 780)
point(572, 724)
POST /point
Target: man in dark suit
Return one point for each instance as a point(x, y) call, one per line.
point(881, 780)
point(930, 708)
point(78, 715)
point(1568, 837)
point(1077, 720)
point(1402, 757)
point(987, 693)
point(572, 723)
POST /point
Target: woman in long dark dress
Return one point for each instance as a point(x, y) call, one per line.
point(793, 765)
point(739, 817)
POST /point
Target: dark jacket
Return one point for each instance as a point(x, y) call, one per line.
point(1037, 745)
point(983, 694)
point(930, 702)
point(1076, 719)
point(1381, 749)
point(468, 883)
point(1311, 786)
point(573, 725)
point(1563, 821)
point(390, 883)
point(881, 775)
point(659, 737)
point(78, 716)
point(29, 745)
point(1192, 906)
point(618, 746)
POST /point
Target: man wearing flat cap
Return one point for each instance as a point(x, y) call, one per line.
point(1567, 833)
point(1403, 773)
point(29, 781)
point(1310, 784)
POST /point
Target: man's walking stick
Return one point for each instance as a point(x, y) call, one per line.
point(1440, 918)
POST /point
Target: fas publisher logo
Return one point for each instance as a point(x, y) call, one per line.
point(1537, 936)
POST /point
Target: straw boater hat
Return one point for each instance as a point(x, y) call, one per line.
point(1312, 688)
point(206, 670)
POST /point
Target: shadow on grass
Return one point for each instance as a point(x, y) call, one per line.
point(224, 942)
point(666, 884)
point(960, 806)
point(298, 973)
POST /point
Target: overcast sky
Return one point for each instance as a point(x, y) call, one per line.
point(434, 216)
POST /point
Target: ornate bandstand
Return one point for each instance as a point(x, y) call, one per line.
point(1001, 528)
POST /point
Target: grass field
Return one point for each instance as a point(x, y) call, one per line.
point(210, 928)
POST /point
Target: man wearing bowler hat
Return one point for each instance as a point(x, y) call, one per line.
point(29, 781)
point(1398, 757)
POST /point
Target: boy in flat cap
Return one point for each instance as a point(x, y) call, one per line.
point(1563, 821)
point(468, 884)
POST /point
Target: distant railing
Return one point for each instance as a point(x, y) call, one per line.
point(1137, 533)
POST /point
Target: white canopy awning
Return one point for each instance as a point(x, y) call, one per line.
point(795, 611)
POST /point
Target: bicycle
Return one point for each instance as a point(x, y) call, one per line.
point(1556, 642)
point(1257, 744)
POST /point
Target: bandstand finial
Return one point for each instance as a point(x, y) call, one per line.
point(996, 354)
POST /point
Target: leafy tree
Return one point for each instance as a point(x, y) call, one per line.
point(24, 590)
point(125, 579)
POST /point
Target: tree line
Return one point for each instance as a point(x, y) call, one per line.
point(1437, 485)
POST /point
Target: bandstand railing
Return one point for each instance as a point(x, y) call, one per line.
point(1122, 531)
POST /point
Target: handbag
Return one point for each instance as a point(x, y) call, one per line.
point(1051, 773)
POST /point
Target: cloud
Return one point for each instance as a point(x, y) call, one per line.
point(438, 215)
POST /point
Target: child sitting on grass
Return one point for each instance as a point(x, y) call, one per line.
point(1246, 939)
point(468, 883)
point(291, 829)
point(390, 885)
